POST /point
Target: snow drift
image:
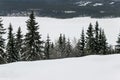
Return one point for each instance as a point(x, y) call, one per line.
point(84, 68)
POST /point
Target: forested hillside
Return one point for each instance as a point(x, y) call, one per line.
point(61, 8)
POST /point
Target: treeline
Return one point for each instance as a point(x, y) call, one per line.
point(31, 47)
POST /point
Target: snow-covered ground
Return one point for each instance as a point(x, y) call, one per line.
point(86, 68)
point(71, 27)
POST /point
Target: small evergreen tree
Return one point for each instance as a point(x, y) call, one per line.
point(63, 49)
point(19, 43)
point(59, 46)
point(90, 40)
point(69, 49)
point(97, 38)
point(47, 48)
point(33, 43)
point(102, 43)
point(77, 51)
point(2, 44)
point(117, 47)
point(53, 51)
point(11, 49)
point(80, 46)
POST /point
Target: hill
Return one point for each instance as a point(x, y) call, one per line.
point(61, 8)
point(86, 68)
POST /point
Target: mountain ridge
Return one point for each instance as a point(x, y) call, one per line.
point(58, 8)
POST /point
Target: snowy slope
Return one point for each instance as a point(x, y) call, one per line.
point(86, 68)
point(71, 27)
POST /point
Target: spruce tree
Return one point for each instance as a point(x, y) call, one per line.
point(53, 51)
point(11, 49)
point(63, 49)
point(77, 51)
point(80, 46)
point(90, 40)
point(59, 46)
point(102, 43)
point(69, 49)
point(97, 38)
point(82, 43)
point(33, 43)
point(2, 44)
point(60, 41)
point(19, 43)
point(117, 47)
point(47, 48)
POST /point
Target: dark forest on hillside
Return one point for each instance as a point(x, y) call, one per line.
point(61, 8)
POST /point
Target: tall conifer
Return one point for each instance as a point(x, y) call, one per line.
point(33, 43)
point(2, 44)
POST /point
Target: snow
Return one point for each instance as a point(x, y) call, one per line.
point(85, 68)
point(98, 4)
point(70, 27)
point(112, 3)
point(68, 12)
point(83, 3)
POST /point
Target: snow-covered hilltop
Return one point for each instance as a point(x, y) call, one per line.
point(86, 68)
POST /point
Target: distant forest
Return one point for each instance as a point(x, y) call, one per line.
point(61, 8)
point(31, 47)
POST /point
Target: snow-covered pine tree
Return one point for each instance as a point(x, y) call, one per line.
point(63, 49)
point(60, 41)
point(52, 45)
point(11, 49)
point(47, 48)
point(117, 47)
point(69, 48)
point(82, 43)
point(19, 44)
point(90, 40)
point(80, 46)
point(2, 44)
point(58, 46)
point(77, 51)
point(97, 47)
point(33, 43)
point(53, 51)
point(102, 43)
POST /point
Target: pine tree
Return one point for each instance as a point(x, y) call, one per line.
point(33, 43)
point(47, 48)
point(97, 38)
point(69, 49)
point(2, 44)
point(53, 51)
point(59, 46)
point(80, 46)
point(102, 43)
point(77, 51)
point(90, 40)
point(63, 49)
point(60, 41)
point(117, 47)
point(19, 43)
point(52, 45)
point(11, 49)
